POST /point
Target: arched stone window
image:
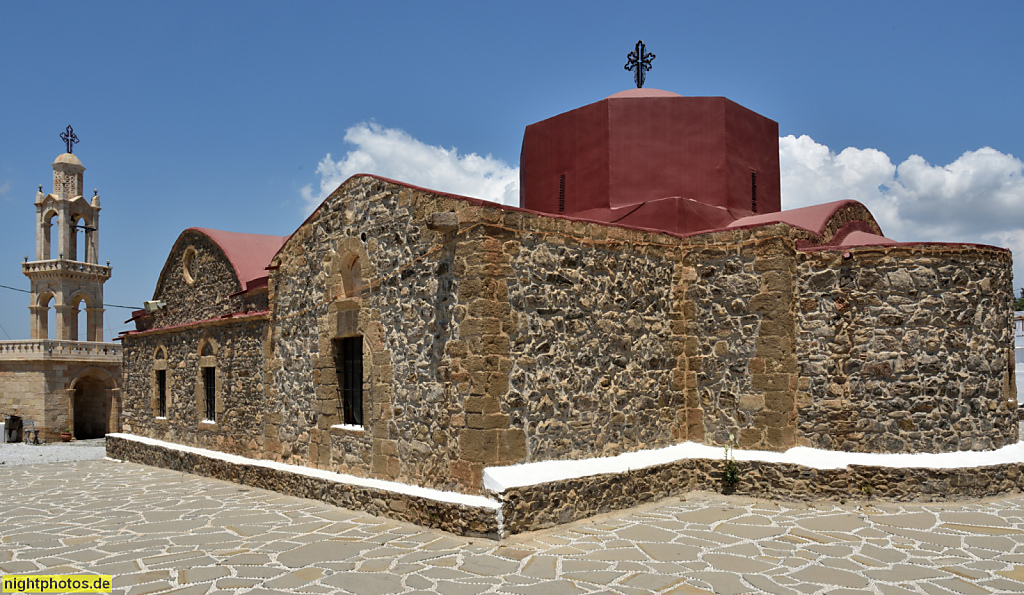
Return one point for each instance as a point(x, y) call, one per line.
point(208, 387)
point(84, 318)
point(160, 383)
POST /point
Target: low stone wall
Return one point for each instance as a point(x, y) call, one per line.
point(460, 519)
point(535, 507)
point(530, 508)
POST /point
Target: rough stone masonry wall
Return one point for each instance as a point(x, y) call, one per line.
point(239, 357)
point(494, 337)
point(591, 340)
point(906, 349)
point(500, 336)
point(214, 280)
point(739, 357)
point(405, 315)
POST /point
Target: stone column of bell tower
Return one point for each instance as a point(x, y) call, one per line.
point(66, 273)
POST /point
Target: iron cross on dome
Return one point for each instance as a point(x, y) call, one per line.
point(69, 138)
point(639, 61)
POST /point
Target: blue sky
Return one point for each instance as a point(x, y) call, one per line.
point(223, 114)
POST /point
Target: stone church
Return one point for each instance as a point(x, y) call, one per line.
point(65, 376)
point(648, 292)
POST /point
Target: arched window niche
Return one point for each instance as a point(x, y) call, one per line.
point(344, 326)
point(351, 276)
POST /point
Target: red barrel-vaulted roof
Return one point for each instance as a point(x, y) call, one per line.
point(814, 218)
point(249, 253)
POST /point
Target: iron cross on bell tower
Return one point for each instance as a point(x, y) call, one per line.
point(69, 138)
point(639, 61)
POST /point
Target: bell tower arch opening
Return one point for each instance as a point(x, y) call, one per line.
point(75, 238)
point(43, 316)
point(46, 222)
point(80, 327)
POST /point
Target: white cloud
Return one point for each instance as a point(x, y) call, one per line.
point(5, 190)
point(392, 153)
point(977, 198)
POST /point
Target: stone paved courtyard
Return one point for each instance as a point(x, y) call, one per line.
point(161, 531)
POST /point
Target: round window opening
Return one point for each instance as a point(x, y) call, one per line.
point(188, 263)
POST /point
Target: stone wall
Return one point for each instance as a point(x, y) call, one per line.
point(22, 389)
point(739, 351)
point(906, 349)
point(206, 295)
point(35, 387)
point(237, 346)
point(494, 336)
point(403, 307)
point(490, 336)
point(457, 518)
point(590, 327)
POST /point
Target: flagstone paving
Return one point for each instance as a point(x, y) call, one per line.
point(159, 531)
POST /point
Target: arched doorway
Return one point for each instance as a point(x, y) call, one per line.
point(93, 408)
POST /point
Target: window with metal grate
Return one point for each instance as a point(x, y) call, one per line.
point(210, 389)
point(348, 361)
point(161, 388)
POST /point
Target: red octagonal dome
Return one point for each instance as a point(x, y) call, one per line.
point(655, 159)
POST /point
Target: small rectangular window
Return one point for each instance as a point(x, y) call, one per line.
point(161, 388)
point(348, 362)
point(210, 388)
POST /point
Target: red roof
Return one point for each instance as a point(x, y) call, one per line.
point(249, 253)
point(864, 238)
point(813, 218)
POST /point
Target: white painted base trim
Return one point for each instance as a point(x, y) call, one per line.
point(499, 479)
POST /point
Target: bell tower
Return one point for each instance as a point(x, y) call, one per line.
point(66, 274)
